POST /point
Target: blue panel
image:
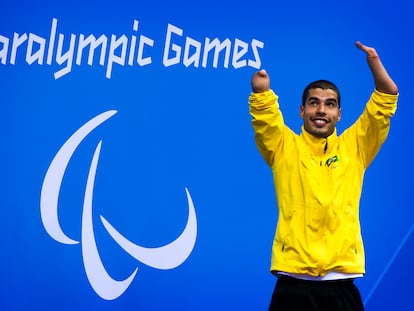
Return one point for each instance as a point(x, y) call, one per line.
point(393, 290)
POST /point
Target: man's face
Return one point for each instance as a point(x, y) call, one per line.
point(320, 112)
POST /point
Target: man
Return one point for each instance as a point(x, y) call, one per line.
point(317, 249)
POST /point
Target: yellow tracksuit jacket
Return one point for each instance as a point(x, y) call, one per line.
point(318, 183)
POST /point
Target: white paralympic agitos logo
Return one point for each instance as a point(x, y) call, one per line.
point(165, 257)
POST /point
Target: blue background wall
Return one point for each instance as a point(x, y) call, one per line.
point(179, 127)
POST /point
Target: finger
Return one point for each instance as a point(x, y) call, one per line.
point(361, 46)
point(371, 52)
point(262, 73)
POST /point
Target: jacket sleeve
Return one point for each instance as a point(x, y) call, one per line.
point(268, 124)
point(372, 127)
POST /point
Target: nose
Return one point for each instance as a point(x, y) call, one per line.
point(321, 108)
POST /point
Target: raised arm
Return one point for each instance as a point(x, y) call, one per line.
point(260, 81)
point(382, 79)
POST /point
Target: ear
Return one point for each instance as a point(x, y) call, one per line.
point(301, 111)
point(339, 114)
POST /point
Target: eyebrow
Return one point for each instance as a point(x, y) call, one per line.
point(331, 99)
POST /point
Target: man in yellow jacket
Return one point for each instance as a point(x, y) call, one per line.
point(317, 249)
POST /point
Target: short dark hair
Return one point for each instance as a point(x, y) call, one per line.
point(320, 84)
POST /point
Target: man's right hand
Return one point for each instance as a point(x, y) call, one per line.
point(260, 81)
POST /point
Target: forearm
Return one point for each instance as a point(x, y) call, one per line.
point(383, 81)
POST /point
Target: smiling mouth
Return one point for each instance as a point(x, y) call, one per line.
point(320, 122)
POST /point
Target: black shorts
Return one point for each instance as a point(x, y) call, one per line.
point(291, 294)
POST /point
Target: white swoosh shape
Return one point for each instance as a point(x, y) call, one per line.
point(53, 179)
point(103, 284)
point(165, 257)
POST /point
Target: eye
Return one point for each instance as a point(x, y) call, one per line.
point(331, 104)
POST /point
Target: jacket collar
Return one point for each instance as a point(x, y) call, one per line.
point(319, 146)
